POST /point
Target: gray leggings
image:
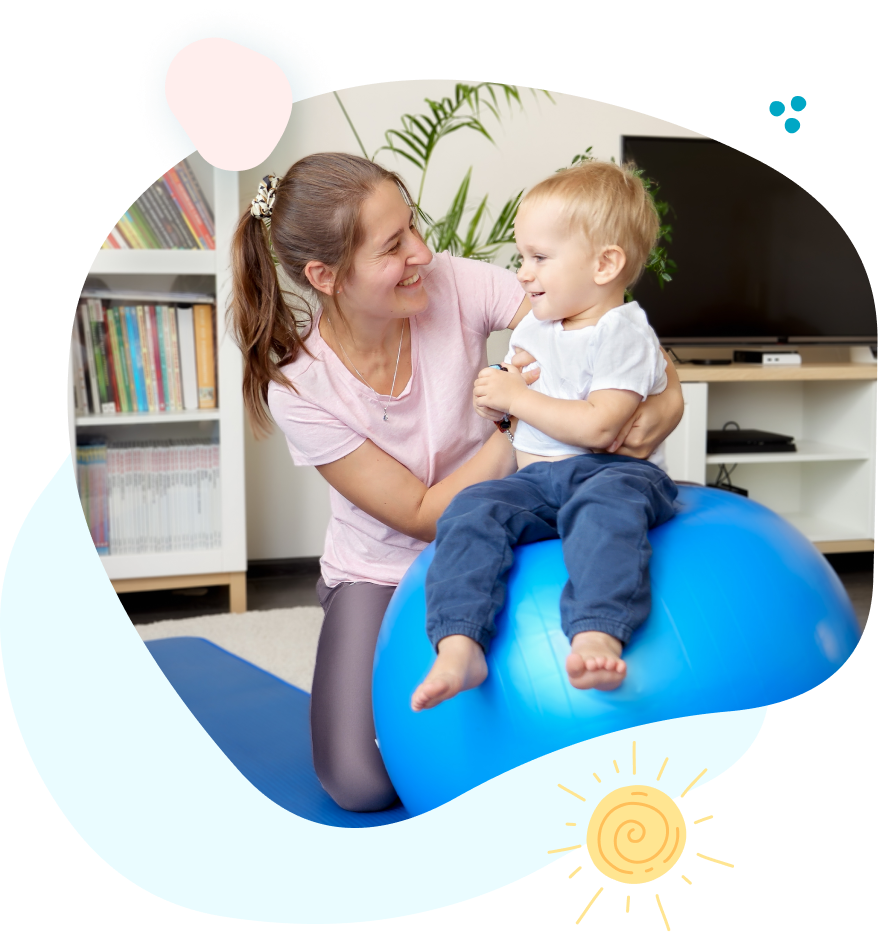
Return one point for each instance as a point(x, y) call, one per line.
point(346, 757)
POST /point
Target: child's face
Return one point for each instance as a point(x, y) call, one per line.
point(558, 266)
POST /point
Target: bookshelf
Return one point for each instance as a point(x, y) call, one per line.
point(161, 270)
point(827, 487)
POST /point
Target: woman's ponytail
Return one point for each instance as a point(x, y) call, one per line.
point(312, 213)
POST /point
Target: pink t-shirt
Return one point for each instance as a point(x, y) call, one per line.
point(432, 428)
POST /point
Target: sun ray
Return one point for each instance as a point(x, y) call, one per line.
point(587, 908)
point(703, 772)
point(596, 777)
point(561, 787)
point(578, 869)
point(667, 926)
point(634, 757)
point(559, 850)
point(570, 823)
point(627, 903)
point(702, 820)
point(715, 860)
point(616, 766)
point(684, 878)
point(661, 771)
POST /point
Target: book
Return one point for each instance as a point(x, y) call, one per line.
point(190, 212)
point(119, 348)
point(106, 400)
point(115, 385)
point(204, 355)
point(187, 176)
point(171, 319)
point(85, 325)
point(136, 357)
point(188, 372)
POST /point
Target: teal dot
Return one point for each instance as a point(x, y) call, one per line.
point(798, 103)
point(792, 125)
point(776, 108)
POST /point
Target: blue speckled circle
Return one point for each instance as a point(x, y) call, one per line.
point(798, 103)
point(303, 66)
point(792, 125)
point(776, 108)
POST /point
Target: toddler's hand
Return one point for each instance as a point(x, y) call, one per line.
point(489, 414)
point(497, 389)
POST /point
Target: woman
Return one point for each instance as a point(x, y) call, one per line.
point(373, 386)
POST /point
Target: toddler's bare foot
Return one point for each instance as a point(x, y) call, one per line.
point(460, 664)
point(595, 661)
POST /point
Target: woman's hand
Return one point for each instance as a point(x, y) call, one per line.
point(653, 421)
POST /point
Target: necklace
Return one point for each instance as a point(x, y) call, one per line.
point(350, 361)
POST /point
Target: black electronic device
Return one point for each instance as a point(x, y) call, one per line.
point(759, 260)
point(748, 441)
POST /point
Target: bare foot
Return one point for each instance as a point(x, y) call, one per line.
point(595, 661)
point(460, 664)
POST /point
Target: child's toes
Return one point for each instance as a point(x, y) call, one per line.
point(575, 665)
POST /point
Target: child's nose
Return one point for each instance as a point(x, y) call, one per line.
point(523, 273)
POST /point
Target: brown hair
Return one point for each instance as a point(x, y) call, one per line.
point(316, 216)
point(608, 204)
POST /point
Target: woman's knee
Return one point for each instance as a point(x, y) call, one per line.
point(356, 787)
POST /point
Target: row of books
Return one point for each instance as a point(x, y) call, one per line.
point(151, 497)
point(171, 214)
point(145, 358)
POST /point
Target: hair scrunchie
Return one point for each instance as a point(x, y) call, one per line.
point(262, 205)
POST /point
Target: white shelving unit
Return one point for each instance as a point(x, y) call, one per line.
point(155, 270)
point(827, 487)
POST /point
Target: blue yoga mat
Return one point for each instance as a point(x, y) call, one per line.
point(261, 724)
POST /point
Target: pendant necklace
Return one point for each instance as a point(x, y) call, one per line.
point(348, 358)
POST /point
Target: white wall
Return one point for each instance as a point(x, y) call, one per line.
point(288, 506)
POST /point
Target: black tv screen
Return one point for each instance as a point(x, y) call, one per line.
point(758, 258)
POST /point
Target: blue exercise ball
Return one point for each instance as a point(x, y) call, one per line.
point(745, 612)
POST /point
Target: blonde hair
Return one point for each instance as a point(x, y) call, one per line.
point(608, 204)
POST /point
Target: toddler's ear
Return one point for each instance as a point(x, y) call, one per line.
point(610, 264)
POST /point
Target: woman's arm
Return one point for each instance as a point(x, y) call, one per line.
point(653, 421)
point(385, 489)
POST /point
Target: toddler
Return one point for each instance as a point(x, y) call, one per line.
point(584, 235)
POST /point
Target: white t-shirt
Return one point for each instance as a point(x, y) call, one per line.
point(620, 351)
point(431, 428)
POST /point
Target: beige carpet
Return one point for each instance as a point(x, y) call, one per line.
point(282, 641)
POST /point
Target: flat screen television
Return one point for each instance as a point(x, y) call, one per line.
point(759, 260)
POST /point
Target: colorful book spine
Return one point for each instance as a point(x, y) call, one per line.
point(173, 188)
point(117, 347)
point(145, 359)
point(132, 234)
point(155, 356)
point(171, 319)
point(136, 357)
point(148, 208)
point(144, 229)
point(88, 351)
point(182, 234)
point(107, 403)
point(188, 370)
point(196, 195)
point(205, 362)
point(115, 386)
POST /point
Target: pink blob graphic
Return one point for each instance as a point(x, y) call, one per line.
point(233, 102)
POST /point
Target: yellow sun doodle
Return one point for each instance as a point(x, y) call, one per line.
point(636, 834)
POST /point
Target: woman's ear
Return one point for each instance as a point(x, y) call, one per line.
point(611, 261)
point(320, 276)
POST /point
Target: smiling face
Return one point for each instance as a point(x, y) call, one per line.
point(559, 267)
point(385, 278)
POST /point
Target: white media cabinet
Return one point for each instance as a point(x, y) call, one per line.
point(827, 487)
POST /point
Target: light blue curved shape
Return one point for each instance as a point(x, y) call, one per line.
point(149, 791)
point(723, 568)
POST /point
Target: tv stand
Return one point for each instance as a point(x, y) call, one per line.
point(827, 487)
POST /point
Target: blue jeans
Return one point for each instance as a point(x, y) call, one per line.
point(600, 505)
